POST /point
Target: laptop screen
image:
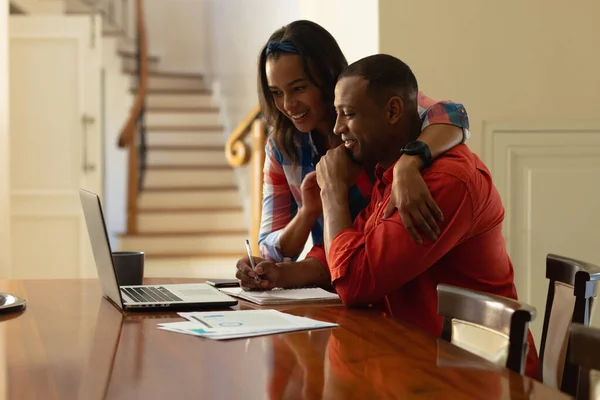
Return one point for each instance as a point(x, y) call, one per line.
point(94, 219)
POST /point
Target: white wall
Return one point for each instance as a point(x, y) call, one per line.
point(353, 23)
point(236, 31)
point(175, 30)
point(4, 146)
point(117, 102)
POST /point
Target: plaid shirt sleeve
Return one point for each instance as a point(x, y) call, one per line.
point(278, 205)
point(443, 112)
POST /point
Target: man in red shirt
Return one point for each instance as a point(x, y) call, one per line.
point(373, 260)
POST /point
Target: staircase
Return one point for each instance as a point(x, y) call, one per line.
point(190, 220)
point(189, 205)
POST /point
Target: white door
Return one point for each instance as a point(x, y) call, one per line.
point(55, 142)
point(547, 175)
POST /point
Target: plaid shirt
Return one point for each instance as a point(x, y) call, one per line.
point(281, 183)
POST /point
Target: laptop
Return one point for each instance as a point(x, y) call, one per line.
point(142, 297)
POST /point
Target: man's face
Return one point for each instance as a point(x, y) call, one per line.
point(361, 122)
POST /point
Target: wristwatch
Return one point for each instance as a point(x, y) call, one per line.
point(418, 148)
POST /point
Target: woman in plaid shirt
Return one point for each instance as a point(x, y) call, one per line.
point(298, 70)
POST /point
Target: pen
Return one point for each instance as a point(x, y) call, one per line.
point(251, 259)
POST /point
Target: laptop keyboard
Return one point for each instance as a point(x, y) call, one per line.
point(150, 294)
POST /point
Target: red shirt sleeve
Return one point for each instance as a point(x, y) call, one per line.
point(367, 264)
point(318, 252)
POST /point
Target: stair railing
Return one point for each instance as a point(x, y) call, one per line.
point(133, 134)
point(239, 153)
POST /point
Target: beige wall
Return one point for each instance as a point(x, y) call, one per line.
point(509, 60)
point(353, 23)
point(528, 74)
point(4, 146)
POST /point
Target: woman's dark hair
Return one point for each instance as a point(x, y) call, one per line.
point(322, 60)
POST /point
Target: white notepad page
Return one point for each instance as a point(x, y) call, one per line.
point(283, 296)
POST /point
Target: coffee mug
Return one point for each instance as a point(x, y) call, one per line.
point(129, 267)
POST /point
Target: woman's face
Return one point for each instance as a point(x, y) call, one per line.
point(295, 95)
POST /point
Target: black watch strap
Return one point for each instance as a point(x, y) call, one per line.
point(418, 148)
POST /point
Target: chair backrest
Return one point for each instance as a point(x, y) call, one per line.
point(491, 326)
point(584, 351)
point(571, 290)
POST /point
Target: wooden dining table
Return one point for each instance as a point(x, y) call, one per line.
point(71, 343)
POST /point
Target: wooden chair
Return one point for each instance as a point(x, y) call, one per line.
point(493, 327)
point(571, 292)
point(584, 352)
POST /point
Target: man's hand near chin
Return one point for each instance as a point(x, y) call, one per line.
point(336, 172)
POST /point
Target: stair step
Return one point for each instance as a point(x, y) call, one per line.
point(191, 220)
point(235, 255)
point(163, 118)
point(113, 32)
point(129, 61)
point(194, 176)
point(200, 156)
point(192, 110)
point(167, 74)
point(186, 148)
point(174, 83)
point(173, 243)
point(192, 264)
point(181, 198)
point(206, 233)
point(187, 129)
point(187, 167)
point(158, 139)
point(203, 99)
point(132, 54)
point(179, 92)
point(159, 189)
point(189, 210)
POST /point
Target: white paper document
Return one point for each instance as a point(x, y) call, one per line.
point(283, 296)
point(238, 324)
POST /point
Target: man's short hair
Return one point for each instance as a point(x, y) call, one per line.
point(386, 76)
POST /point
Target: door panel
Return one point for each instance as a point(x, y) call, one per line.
point(55, 142)
point(547, 175)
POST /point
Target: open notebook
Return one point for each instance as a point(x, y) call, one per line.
point(283, 296)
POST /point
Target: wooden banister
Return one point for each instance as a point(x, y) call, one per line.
point(127, 138)
point(259, 138)
point(128, 131)
point(238, 153)
point(132, 186)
